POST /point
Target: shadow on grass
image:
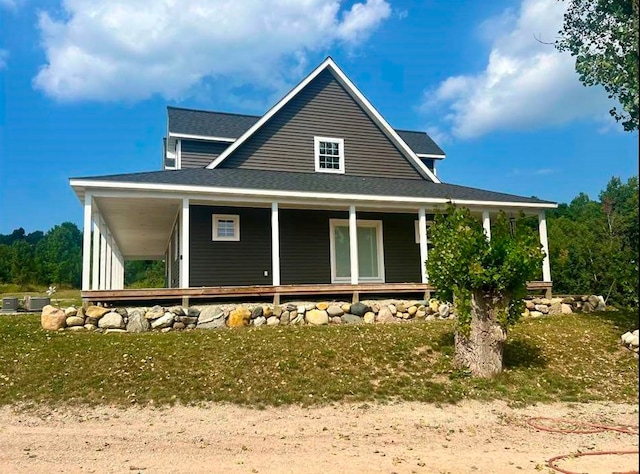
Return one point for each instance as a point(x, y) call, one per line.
point(517, 352)
point(624, 319)
point(520, 353)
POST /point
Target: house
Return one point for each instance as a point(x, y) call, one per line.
point(318, 195)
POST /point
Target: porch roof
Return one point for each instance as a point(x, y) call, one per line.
point(319, 183)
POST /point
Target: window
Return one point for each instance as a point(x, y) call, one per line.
point(370, 251)
point(329, 153)
point(226, 227)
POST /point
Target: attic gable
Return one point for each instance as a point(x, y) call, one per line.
point(325, 104)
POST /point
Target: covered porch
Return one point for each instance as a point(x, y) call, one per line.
point(126, 223)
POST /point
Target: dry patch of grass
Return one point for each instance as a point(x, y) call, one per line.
point(568, 358)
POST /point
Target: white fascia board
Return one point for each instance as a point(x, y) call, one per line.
point(172, 189)
point(188, 136)
point(355, 93)
point(430, 155)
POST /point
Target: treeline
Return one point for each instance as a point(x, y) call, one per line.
point(593, 247)
point(55, 258)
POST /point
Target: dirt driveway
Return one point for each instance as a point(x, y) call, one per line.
point(472, 437)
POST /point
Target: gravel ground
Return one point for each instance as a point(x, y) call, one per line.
point(471, 437)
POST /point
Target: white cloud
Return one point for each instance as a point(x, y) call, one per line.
point(4, 56)
point(132, 49)
point(526, 83)
point(9, 4)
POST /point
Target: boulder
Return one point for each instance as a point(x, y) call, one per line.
point(385, 315)
point(259, 321)
point(565, 308)
point(277, 310)
point(73, 321)
point(322, 306)
point(421, 314)
point(93, 321)
point(392, 308)
point(530, 305)
point(369, 318)
point(177, 310)
point(285, 317)
point(601, 306)
point(211, 322)
point(52, 318)
point(296, 318)
point(163, 321)
point(137, 322)
point(352, 318)
point(626, 337)
point(239, 317)
point(267, 312)
point(301, 309)
point(335, 320)
point(317, 317)
point(593, 300)
point(71, 311)
point(412, 310)
point(90, 327)
point(188, 320)
point(359, 309)
point(525, 313)
point(256, 312)
point(179, 326)
point(76, 328)
point(122, 312)
point(568, 300)
point(587, 307)
point(273, 321)
point(111, 320)
point(96, 312)
point(434, 304)
point(535, 314)
point(155, 312)
point(443, 310)
point(334, 310)
point(346, 308)
point(555, 308)
point(193, 312)
point(543, 308)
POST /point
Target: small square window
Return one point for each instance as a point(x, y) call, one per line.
point(226, 227)
point(329, 154)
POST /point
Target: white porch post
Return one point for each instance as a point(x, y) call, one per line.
point(184, 245)
point(103, 255)
point(108, 266)
point(86, 243)
point(353, 244)
point(275, 244)
point(424, 252)
point(486, 223)
point(542, 229)
point(95, 278)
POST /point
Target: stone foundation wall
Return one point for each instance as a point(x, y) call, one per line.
point(175, 318)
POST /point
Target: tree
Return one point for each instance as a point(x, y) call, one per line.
point(487, 280)
point(59, 256)
point(603, 36)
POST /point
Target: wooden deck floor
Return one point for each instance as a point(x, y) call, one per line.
point(356, 292)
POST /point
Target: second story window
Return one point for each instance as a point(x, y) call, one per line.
point(329, 154)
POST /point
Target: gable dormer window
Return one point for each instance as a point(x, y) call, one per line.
point(329, 153)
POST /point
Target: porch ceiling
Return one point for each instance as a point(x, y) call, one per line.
point(140, 226)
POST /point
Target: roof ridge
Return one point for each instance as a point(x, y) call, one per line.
point(212, 111)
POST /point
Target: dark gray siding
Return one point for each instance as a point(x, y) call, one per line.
point(305, 249)
point(230, 263)
point(323, 108)
point(174, 257)
point(198, 154)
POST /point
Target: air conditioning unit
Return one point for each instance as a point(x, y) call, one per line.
point(36, 303)
point(10, 304)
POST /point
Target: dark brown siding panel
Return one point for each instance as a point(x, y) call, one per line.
point(304, 247)
point(323, 108)
point(198, 154)
point(230, 263)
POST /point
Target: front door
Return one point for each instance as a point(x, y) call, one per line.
point(370, 251)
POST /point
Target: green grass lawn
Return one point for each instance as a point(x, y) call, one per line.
point(62, 296)
point(567, 358)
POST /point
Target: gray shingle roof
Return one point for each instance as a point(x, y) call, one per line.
point(227, 125)
point(314, 182)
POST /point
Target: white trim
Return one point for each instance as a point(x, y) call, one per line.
point(86, 242)
point(486, 224)
point(103, 255)
point(178, 155)
point(358, 97)
point(353, 246)
point(424, 250)
point(430, 155)
point(416, 229)
point(207, 190)
point(189, 136)
point(95, 278)
point(353, 250)
point(225, 217)
point(108, 267)
point(275, 244)
point(184, 245)
point(316, 154)
point(542, 229)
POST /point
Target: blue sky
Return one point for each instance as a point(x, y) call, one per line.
point(84, 86)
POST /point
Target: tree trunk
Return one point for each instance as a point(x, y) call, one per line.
point(481, 351)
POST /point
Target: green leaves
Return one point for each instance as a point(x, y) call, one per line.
point(603, 36)
point(463, 260)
